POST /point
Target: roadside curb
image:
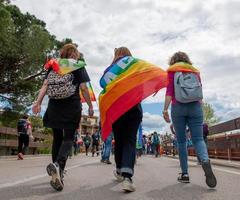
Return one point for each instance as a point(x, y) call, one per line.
point(223, 163)
point(14, 157)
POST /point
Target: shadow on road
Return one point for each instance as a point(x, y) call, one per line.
point(103, 192)
point(44, 191)
point(26, 191)
point(180, 191)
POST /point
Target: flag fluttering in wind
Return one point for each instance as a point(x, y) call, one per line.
point(125, 84)
point(64, 66)
point(91, 93)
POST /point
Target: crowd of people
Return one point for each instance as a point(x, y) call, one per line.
point(64, 112)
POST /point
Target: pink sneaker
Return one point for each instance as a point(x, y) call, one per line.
point(20, 156)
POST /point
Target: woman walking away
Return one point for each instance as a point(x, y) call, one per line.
point(87, 142)
point(185, 92)
point(126, 82)
point(125, 134)
point(64, 78)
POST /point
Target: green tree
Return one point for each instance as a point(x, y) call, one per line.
point(209, 116)
point(25, 44)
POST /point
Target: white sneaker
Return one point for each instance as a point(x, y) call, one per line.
point(119, 177)
point(54, 171)
point(128, 185)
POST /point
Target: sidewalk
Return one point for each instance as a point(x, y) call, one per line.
point(217, 162)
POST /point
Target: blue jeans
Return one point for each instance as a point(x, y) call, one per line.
point(107, 146)
point(191, 115)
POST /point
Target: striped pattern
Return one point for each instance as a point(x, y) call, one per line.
point(182, 67)
point(125, 84)
point(64, 66)
point(91, 93)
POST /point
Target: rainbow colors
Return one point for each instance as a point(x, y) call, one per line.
point(125, 84)
point(91, 93)
point(182, 67)
point(64, 65)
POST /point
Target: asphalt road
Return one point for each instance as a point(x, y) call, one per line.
point(88, 179)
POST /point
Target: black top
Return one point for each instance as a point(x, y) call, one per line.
point(79, 76)
point(66, 113)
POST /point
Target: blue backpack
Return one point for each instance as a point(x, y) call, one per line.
point(156, 139)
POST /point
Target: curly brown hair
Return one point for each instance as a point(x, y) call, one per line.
point(179, 57)
point(69, 51)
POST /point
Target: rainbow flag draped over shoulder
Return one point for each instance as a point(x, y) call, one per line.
point(125, 84)
point(64, 66)
point(91, 93)
point(182, 67)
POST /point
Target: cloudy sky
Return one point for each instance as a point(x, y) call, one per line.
point(208, 30)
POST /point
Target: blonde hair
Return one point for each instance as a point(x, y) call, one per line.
point(68, 50)
point(179, 57)
point(121, 52)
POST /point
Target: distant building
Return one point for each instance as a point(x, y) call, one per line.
point(89, 124)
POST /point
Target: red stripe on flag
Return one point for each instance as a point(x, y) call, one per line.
point(130, 99)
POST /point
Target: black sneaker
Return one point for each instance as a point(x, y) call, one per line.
point(107, 162)
point(211, 180)
point(183, 178)
point(57, 177)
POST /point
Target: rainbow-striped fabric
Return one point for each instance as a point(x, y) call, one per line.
point(125, 84)
point(91, 93)
point(182, 67)
point(64, 66)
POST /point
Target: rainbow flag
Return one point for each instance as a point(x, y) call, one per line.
point(125, 84)
point(91, 93)
point(64, 65)
point(182, 67)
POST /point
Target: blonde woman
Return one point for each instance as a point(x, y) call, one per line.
point(125, 136)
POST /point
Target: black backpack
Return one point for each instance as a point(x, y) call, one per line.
point(22, 126)
point(95, 137)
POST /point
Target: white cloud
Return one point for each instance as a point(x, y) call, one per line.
point(153, 122)
point(153, 30)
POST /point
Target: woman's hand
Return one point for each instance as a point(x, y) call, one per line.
point(36, 108)
point(166, 116)
point(31, 138)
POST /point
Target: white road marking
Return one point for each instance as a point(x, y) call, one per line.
point(28, 179)
point(227, 171)
point(32, 178)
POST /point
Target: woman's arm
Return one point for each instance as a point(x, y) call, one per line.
point(37, 104)
point(85, 93)
point(168, 96)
